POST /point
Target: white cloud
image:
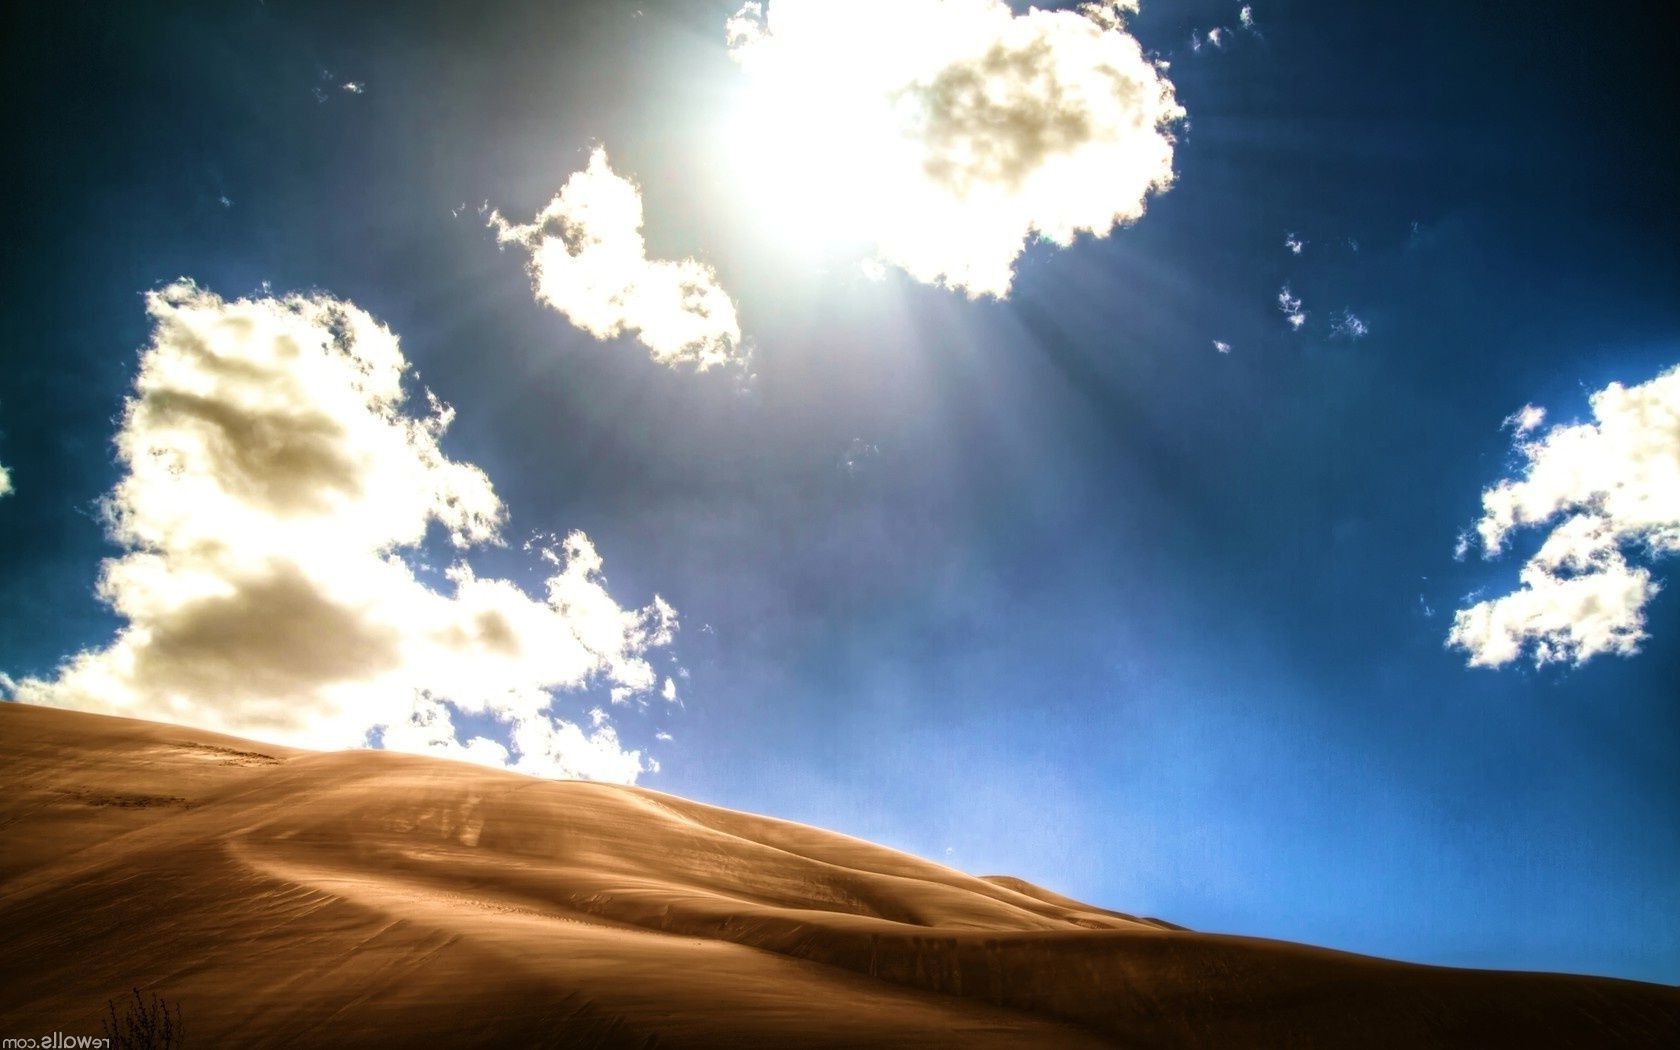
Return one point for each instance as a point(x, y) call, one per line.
point(353, 87)
point(1290, 304)
point(1607, 489)
point(5, 481)
point(1294, 243)
point(274, 484)
point(589, 261)
point(1525, 419)
point(1349, 326)
point(1245, 16)
point(1221, 346)
point(941, 135)
point(1216, 36)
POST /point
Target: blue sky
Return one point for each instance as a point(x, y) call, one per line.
point(1043, 585)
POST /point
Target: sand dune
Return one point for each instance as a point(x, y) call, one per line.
point(295, 898)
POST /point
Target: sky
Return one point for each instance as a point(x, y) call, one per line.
point(1220, 463)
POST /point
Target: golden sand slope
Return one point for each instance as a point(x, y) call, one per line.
point(294, 898)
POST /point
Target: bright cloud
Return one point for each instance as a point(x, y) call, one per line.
point(1608, 490)
point(5, 481)
point(1526, 419)
point(589, 261)
point(274, 480)
point(942, 135)
point(1245, 16)
point(1222, 346)
point(1294, 243)
point(1290, 304)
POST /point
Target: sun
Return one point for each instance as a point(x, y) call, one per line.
point(940, 136)
point(807, 125)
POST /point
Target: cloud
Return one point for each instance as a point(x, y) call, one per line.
point(942, 135)
point(1525, 419)
point(1222, 346)
point(1290, 304)
point(857, 457)
point(275, 487)
point(1245, 16)
point(5, 481)
point(589, 261)
point(1607, 490)
point(327, 81)
point(1294, 243)
point(1348, 326)
point(1462, 545)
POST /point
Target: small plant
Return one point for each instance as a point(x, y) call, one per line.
point(143, 1024)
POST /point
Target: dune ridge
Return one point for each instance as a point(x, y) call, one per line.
point(369, 898)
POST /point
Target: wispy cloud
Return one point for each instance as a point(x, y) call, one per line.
point(857, 457)
point(1222, 346)
point(942, 137)
point(1219, 36)
point(1462, 545)
point(276, 487)
point(1347, 325)
point(1525, 420)
point(1293, 243)
point(1607, 490)
point(327, 82)
point(589, 261)
point(1290, 304)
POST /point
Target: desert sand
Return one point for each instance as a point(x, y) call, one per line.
point(293, 898)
